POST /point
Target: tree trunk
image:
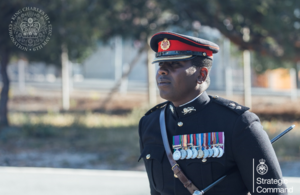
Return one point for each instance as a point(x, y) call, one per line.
point(125, 75)
point(5, 88)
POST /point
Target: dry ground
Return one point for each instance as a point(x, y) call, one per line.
point(91, 136)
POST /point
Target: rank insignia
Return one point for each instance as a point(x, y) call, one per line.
point(188, 110)
point(165, 44)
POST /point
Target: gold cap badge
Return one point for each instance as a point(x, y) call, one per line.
point(165, 44)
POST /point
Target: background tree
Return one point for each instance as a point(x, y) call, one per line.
point(80, 24)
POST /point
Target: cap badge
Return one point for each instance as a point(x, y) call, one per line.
point(165, 44)
point(188, 110)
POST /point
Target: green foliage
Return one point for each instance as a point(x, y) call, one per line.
point(80, 24)
point(39, 131)
point(274, 25)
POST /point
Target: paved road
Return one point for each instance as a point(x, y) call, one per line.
point(47, 181)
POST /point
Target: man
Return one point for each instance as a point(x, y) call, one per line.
point(208, 135)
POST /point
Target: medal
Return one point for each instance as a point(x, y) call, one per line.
point(221, 144)
point(210, 151)
point(205, 152)
point(176, 146)
point(189, 151)
point(183, 147)
point(194, 141)
point(183, 154)
point(199, 144)
point(215, 149)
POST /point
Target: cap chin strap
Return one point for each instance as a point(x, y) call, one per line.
point(175, 53)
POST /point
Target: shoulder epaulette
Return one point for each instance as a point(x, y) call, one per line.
point(237, 108)
point(161, 105)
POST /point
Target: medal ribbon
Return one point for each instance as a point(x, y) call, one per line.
point(202, 140)
point(221, 137)
point(223, 140)
point(195, 139)
point(214, 138)
point(205, 140)
point(208, 140)
point(184, 141)
point(191, 142)
point(176, 142)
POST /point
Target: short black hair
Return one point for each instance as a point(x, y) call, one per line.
point(203, 62)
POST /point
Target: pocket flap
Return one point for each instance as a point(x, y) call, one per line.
point(153, 152)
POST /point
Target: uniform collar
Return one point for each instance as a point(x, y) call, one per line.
point(190, 107)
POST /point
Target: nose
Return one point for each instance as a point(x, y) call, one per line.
point(162, 70)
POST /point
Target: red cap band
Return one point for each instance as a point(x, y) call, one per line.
point(180, 46)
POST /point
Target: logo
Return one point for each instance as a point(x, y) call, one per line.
point(165, 44)
point(262, 168)
point(30, 29)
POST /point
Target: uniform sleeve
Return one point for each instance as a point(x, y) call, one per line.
point(255, 157)
point(152, 190)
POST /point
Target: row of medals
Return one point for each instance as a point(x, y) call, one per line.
point(215, 151)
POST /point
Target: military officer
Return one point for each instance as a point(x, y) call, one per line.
point(209, 135)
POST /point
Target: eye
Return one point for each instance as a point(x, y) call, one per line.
point(175, 64)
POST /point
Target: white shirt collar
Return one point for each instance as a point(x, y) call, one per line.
point(191, 100)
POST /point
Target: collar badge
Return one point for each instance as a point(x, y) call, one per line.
point(171, 108)
point(165, 44)
point(188, 110)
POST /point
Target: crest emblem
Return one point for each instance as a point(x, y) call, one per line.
point(165, 44)
point(30, 29)
point(188, 110)
point(262, 168)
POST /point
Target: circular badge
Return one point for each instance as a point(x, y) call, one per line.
point(189, 153)
point(210, 152)
point(183, 154)
point(200, 153)
point(30, 29)
point(195, 153)
point(221, 152)
point(205, 153)
point(165, 44)
point(176, 155)
point(216, 151)
point(262, 168)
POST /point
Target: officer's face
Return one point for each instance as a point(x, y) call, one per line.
point(177, 81)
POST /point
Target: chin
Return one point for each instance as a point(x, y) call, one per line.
point(165, 95)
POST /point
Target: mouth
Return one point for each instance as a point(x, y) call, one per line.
point(163, 83)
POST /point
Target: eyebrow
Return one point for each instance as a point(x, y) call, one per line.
point(170, 63)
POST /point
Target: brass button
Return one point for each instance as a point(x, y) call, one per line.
point(148, 156)
point(180, 124)
point(175, 176)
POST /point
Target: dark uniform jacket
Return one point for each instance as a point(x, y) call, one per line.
point(245, 144)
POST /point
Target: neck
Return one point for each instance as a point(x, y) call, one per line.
point(190, 101)
point(186, 100)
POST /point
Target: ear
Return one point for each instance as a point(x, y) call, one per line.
point(203, 72)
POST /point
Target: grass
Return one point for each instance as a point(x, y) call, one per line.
point(114, 137)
